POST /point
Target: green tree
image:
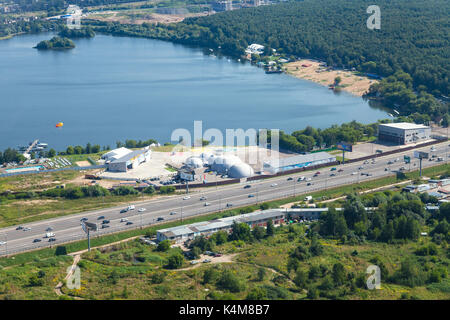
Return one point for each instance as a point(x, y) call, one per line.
point(270, 229)
point(163, 246)
point(175, 261)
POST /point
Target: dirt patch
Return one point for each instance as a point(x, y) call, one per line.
point(137, 17)
point(30, 202)
point(83, 163)
point(313, 71)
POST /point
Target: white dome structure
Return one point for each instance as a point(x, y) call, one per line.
point(194, 162)
point(240, 170)
point(222, 164)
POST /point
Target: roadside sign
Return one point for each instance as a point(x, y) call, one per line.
point(407, 159)
point(420, 155)
point(344, 146)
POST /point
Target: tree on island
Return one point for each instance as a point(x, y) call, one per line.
point(55, 43)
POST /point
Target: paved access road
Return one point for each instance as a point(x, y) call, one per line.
point(68, 228)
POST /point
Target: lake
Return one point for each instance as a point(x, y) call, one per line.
point(116, 88)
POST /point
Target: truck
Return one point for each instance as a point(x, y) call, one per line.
point(131, 207)
point(49, 235)
point(308, 198)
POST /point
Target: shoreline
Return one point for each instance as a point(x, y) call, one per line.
point(315, 71)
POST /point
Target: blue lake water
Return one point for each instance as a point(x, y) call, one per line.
point(115, 88)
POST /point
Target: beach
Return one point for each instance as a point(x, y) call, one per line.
point(315, 71)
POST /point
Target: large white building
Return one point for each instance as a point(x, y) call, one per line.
point(299, 161)
point(127, 161)
point(403, 132)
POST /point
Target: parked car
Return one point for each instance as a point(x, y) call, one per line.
point(333, 169)
point(386, 169)
point(209, 253)
point(194, 262)
point(2, 243)
point(217, 255)
point(341, 170)
point(160, 219)
point(105, 221)
point(333, 174)
point(206, 260)
point(141, 209)
point(247, 186)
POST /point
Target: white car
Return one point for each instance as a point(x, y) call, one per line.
point(354, 173)
point(123, 220)
point(26, 229)
point(2, 243)
point(203, 198)
point(141, 209)
point(207, 204)
point(273, 184)
point(186, 198)
point(131, 207)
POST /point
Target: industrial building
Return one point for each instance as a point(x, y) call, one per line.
point(129, 160)
point(115, 154)
point(299, 161)
point(206, 228)
point(403, 132)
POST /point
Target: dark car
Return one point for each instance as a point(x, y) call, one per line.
point(19, 228)
point(251, 195)
point(104, 226)
point(105, 221)
point(37, 240)
point(160, 219)
point(83, 219)
point(309, 183)
point(128, 223)
point(101, 217)
point(51, 239)
point(229, 205)
point(247, 186)
point(290, 178)
point(123, 210)
point(49, 229)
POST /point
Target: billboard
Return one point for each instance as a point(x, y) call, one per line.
point(420, 155)
point(345, 146)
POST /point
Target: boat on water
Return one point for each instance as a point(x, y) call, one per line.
point(274, 71)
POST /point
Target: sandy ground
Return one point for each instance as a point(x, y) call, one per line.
point(83, 163)
point(351, 83)
point(119, 16)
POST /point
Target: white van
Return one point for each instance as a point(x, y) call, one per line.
point(307, 198)
point(49, 235)
point(131, 207)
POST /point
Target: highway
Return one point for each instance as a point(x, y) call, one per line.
point(68, 228)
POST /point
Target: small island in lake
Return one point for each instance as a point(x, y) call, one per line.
point(55, 43)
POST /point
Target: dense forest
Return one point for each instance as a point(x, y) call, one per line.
point(86, 32)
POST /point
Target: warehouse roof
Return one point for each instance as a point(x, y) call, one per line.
point(404, 125)
point(130, 156)
point(290, 161)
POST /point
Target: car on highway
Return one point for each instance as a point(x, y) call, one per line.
point(361, 168)
point(274, 184)
point(105, 221)
point(129, 223)
point(402, 169)
point(368, 174)
point(104, 226)
point(19, 228)
point(37, 240)
point(203, 198)
point(101, 217)
point(229, 205)
point(51, 239)
point(433, 148)
point(315, 175)
point(172, 213)
point(309, 184)
point(290, 179)
point(332, 174)
point(390, 162)
point(308, 179)
point(366, 162)
point(131, 207)
point(123, 220)
point(2, 243)
point(84, 219)
point(49, 229)
point(26, 229)
point(386, 169)
point(206, 204)
point(141, 209)
point(251, 195)
point(186, 198)
point(341, 170)
point(160, 219)
point(247, 186)
point(123, 210)
point(333, 169)
point(300, 179)
point(354, 173)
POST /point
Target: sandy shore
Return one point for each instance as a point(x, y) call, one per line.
point(351, 82)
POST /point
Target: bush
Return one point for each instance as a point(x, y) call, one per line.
point(257, 293)
point(163, 246)
point(175, 261)
point(167, 189)
point(158, 277)
point(228, 281)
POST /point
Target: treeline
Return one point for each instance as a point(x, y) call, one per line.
point(55, 43)
point(54, 6)
point(85, 32)
point(130, 143)
point(399, 217)
point(11, 155)
point(17, 27)
point(89, 149)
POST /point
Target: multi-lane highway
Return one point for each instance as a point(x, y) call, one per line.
point(68, 228)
